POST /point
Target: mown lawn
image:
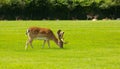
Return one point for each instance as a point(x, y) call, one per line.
point(91, 45)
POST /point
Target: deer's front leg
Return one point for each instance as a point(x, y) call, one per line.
point(43, 43)
point(48, 43)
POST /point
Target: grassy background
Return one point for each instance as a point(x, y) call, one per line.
point(92, 45)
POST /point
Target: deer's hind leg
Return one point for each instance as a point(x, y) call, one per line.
point(29, 41)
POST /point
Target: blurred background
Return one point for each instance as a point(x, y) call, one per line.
point(59, 9)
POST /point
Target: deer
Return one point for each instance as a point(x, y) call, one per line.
point(45, 34)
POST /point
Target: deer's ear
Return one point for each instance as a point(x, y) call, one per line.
point(58, 32)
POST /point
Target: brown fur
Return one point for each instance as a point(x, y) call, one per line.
point(43, 32)
point(35, 32)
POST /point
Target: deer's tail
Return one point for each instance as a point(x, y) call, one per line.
point(27, 31)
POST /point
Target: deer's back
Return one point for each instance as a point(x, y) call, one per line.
point(36, 32)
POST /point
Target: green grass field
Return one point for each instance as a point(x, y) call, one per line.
point(91, 45)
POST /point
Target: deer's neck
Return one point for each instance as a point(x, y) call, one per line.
point(56, 40)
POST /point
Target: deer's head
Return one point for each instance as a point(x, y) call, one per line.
point(60, 38)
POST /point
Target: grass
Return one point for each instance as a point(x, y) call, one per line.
point(92, 45)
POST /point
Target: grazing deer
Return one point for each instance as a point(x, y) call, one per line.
point(43, 34)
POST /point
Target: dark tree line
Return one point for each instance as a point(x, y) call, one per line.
point(58, 9)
